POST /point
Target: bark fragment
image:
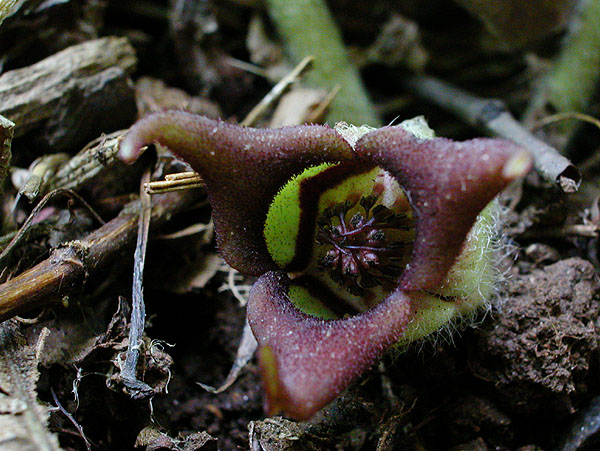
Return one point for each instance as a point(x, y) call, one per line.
point(32, 95)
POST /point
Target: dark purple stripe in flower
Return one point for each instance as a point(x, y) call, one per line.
point(325, 296)
point(311, 190)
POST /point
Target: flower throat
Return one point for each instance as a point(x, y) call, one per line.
point(365, 244)
point(349, 228)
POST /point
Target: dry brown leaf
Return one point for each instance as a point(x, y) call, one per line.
point(153, 439)
point(22, 418)
point(295, 106)
point(8, 8)
point(245, 352)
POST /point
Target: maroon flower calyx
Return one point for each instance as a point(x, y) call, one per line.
point(352, 236)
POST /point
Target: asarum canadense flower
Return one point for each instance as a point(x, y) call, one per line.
point(361, 238)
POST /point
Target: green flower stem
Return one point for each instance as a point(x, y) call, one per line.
point(307, 28)
point(572, 81)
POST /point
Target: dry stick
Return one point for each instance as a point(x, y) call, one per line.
point(493, 116)
point(137, 388)
point(29, 222)
point(96, 157)
point(573, 115)
point(64, 273)
point(183, 181)
point(31, 95)
point(278, 90)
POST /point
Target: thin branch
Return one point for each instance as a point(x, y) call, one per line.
point(277, 91)
point(137, 388)
point(180, 181)
point(493, 116)
point(70, 417)
point(64, 273)
point(29, 222)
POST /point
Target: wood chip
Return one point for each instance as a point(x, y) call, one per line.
point(30, 96)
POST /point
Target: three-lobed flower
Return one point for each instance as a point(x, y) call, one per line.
point(361, 239)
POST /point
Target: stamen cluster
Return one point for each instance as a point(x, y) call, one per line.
point(362, 252)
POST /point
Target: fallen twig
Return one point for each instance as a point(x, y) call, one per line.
point(493, 116)
point(29, 222)
point(97, 156)
point(137, 388)
point(66, 270)
point(175, 182)
point(278, 90)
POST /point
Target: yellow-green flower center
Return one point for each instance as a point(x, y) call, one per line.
point(344, 234)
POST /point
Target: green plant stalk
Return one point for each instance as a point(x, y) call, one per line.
point(307, 28)
point(572, 81)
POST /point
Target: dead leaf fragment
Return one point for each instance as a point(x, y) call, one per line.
point(296, 106)
point(22, 418)
point(153, 439)
point(6, 134)
point(244, 353)
point(8, 8)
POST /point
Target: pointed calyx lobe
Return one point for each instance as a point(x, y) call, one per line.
point(243, 169)
point(448, 184)
point(307, 361)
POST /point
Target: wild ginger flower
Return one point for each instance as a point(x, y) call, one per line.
point(360, 239)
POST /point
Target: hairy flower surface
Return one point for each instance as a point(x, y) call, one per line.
point(361, 238)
